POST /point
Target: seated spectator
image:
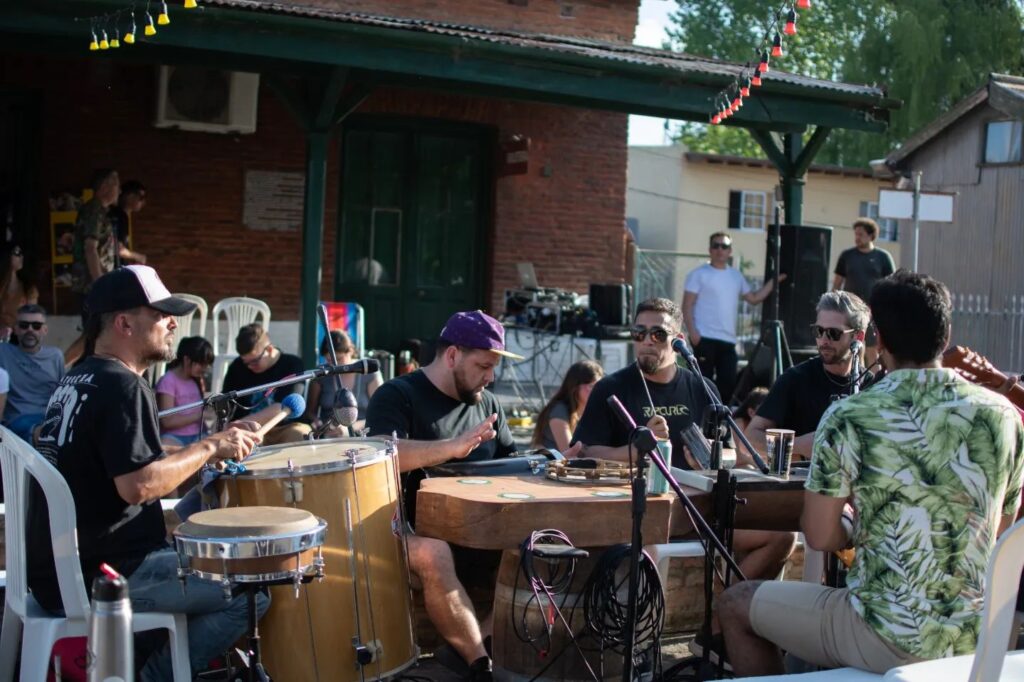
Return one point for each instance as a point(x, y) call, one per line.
point(321, 398)
point(747, 410)
point(34, 369)
point(260, 362)
point(5, 387)
point(16, 288)
point(409, 354)
point(558, 419)
point(183, 384)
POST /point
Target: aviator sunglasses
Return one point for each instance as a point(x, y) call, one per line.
point(658, 334)
point(833, 333)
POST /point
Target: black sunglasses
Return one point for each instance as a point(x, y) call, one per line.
point(721, 245)
point(658, 334)
point(833, 333)
point(22, 324)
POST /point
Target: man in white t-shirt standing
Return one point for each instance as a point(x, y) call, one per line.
point(711, 300)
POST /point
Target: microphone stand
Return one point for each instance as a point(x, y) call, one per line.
point(334, 361)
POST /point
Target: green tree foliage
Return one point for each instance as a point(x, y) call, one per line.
point(928, 53)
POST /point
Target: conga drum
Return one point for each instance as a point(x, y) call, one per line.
point(356, 624)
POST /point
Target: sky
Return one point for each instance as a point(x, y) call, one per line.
point(650, 31)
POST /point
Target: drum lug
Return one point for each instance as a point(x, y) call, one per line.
point(366, 653)
point(292, 491)
point(352, 454)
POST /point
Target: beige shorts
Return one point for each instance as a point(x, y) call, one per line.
point(819, 625)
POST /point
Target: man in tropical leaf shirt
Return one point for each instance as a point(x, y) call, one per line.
point(920, 473)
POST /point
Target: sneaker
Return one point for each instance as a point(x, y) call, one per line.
point(480, 670)
point(717, 649)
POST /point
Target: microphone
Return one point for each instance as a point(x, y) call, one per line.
point(364, 366)
point(680, 346)
point(292, 406)
point(345, 408)
point(621, 412)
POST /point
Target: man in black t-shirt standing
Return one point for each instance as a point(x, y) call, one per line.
point(859, 268)
point(260, 362)
point(443, 412)
point(676, 400)
point(801, 395)
point(102, 433)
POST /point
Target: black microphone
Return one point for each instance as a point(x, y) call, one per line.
point(345, 408)
point(680, 346)
point(364, 366)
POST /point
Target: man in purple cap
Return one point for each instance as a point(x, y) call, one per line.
point(102, 433)
point(443, 412)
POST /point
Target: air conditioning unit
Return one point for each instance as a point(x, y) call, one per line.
point(207, 100)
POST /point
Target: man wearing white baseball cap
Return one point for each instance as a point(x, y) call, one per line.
point(102, 433)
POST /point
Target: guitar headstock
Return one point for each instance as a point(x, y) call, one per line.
point(973, 366)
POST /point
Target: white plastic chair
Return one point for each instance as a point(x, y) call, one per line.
point(199, 315)
point(219, 371)
point(238, 311)
point(18, 461)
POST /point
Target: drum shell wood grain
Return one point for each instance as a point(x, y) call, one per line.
point(310, 638)
point(518, 661)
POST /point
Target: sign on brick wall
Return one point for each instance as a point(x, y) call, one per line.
point(273, 200)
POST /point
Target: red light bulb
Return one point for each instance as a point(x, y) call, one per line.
point(763, 66)
point(777, 46)
point(790, 28)
point(803, 4)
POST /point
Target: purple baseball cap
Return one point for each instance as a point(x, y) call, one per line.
point(477, 330)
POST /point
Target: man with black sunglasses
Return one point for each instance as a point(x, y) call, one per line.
point(802, 394)
point(711, 301)
point(35, 371)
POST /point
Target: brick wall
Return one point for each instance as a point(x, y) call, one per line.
point(613, 20)
point(568, 211)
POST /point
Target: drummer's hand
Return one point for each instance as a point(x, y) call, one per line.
point(234, 443)
point(245, 424)
point(659, 426)
point(575, 450)
point(470, 440)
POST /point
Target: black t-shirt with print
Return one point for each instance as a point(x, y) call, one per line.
point(414, 408)
point(101, 423)
point(240, 377)
point(682, 401)
point(801, 395)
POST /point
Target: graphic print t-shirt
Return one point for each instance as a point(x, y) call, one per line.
point(101, 423)
point(681, 401)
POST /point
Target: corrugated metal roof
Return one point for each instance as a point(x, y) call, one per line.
point(1002, 91)
point(680, 63)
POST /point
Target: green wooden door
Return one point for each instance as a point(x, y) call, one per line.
point(412, 227)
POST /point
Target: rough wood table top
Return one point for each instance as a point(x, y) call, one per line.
point(499, 512)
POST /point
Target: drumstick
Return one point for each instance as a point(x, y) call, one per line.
point(292, 405)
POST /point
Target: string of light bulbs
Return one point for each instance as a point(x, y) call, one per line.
point(729, 100)
point(108, 31)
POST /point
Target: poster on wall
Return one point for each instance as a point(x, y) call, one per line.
point(273, 200)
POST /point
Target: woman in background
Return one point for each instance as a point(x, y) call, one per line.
point(747, 410)
point(16, 288)
point(558, 419)
point(321, 399)
point(184, 383)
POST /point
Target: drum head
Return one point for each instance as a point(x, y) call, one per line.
point(312, 457)
point(244, 522)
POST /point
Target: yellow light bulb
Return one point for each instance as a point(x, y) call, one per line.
point(129, 38)
point(104, 45)
point(150, 29)
point(94, 45)
point(114, 42)
point(163, 19)
point(191, 4)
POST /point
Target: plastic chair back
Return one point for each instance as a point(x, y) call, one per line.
point(238, 312)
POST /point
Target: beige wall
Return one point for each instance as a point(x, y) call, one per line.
point(681, 203)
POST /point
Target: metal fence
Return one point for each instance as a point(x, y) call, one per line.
point(663, 274)
point(996, 333)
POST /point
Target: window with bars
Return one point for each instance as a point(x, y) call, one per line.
point(748, 210)
point(888, 228)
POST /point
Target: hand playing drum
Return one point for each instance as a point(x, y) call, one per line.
point(234, 443)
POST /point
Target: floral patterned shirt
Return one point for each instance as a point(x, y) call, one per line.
point(932, 463)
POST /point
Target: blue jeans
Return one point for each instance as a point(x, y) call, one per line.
point(23, 426)
point(214, 623)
